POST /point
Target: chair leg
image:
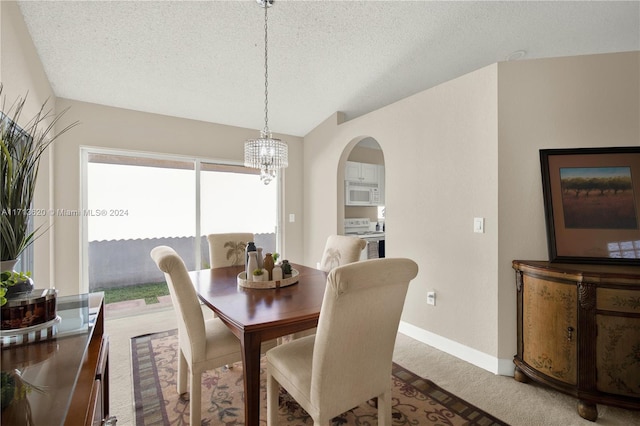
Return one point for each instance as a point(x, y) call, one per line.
point(384, 409)
point(273, 391)
point(322, 422)
point(195, 384)
point(183, 369)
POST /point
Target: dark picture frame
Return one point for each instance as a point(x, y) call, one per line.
point(592, 204)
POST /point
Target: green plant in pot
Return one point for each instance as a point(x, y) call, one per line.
point(21, 149)
point(258, 274)
point(8, 279)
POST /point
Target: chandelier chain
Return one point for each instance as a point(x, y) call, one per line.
point(266, 75)
point(266, 153)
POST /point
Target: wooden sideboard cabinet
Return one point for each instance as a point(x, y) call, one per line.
point(579, 331)
point(70, 369)
point(90, 401)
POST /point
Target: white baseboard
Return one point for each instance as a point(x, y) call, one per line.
point(503, 367)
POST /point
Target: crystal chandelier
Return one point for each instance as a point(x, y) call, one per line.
point(266, 153)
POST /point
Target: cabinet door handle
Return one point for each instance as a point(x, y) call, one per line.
point(569, 333)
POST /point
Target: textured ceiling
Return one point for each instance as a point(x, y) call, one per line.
point(204, 60)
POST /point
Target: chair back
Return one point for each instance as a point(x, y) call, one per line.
point(191, 328)
point(228, 249)
point(357, 329)
point(340, 250)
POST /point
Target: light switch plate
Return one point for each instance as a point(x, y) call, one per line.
point(478, 225)
point(431, 298)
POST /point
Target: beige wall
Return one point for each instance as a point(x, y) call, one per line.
point(435, 143)
point(366, 155)
point(121, 129)
point(583, 101)
point(22, 74)
point(469, 148)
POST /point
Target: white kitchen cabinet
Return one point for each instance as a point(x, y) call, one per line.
point(381, 190)
point(361, 172)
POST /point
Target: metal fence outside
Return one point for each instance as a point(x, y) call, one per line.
point(122, 263)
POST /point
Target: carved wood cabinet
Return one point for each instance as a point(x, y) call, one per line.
point(579, 331)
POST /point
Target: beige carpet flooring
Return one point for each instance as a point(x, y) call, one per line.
point(512, 402)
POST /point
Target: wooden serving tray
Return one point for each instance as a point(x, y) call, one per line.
point(242, 281)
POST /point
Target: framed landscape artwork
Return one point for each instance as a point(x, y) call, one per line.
point(591, 202)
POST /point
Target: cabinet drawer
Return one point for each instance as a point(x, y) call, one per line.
point(608, 299)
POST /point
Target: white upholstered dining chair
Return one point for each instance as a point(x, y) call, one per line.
point(228, 249)
point(340, 250)
point(349, 359)
point(203, 344)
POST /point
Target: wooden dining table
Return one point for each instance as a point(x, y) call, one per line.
point(260, 315)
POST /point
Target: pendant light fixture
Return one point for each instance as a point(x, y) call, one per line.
point(266, 153)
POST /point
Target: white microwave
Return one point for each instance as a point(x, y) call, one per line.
point(361, 194)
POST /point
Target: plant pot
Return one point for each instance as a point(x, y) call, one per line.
point(20, 287)
point(7, 265)
point(29, 309)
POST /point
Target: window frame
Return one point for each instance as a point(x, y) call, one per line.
point(87, 151)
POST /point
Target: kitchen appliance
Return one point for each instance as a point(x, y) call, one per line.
point(361, 194)
point(362, 227)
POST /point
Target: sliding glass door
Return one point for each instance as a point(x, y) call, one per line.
point(132, 203)
point(234, 199)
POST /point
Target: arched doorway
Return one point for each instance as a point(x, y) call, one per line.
point(364, 195)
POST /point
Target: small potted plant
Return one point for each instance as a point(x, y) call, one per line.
point(8, 281)
point(258, 274)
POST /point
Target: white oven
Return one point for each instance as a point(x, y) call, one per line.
point(375, 246)
point(361, 194)
point(362, 228)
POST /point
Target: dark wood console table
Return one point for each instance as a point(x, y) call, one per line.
point(70, 369)
point(579, 331)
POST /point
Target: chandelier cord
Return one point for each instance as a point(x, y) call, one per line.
point(266, 153)
point(266, 75)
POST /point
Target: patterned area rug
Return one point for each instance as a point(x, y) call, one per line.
point(416, 401)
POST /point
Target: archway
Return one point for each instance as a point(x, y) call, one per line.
point(361, 195)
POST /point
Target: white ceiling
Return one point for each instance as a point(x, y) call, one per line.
point(204, 59)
